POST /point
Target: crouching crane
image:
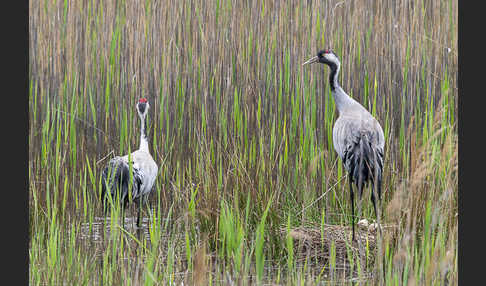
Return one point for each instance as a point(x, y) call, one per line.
point(115, 178)
point(357, 136)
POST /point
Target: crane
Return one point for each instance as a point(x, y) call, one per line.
point(357, 136)
point(116, 175)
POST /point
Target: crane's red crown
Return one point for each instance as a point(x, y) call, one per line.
point(142, 100)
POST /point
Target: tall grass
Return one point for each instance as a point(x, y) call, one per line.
point(242, 134)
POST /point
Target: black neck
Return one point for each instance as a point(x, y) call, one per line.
point(333, 76)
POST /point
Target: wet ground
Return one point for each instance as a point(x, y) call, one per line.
point(310, 248)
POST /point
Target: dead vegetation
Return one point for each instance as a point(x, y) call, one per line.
point(321, 243)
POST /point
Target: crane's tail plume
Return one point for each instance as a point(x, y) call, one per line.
point(366, 162)
point(114, 182)
point(371, 169)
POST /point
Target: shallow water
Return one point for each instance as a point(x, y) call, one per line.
point(99, 224)
point(98, 232)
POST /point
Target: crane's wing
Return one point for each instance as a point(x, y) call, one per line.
point(146, 171)
point(115, 178)
point(138, 177)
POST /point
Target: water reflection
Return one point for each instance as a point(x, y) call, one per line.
point(101, 226)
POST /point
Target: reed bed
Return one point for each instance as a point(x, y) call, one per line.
point(242, 134)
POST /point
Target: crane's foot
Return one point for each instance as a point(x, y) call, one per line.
point(138, 221)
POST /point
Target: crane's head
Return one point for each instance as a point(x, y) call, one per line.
point(327, 57)
point(142, 107)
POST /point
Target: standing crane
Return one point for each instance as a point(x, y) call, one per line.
point(116, 175)
point(357, 136)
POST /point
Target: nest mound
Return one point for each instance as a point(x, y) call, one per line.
point(316, 242)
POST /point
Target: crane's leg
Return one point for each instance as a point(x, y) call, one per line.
point(105, 206)
point(373, 199)
point(105, 210)
point(123, 208)
point(379, 188)
point(139, 211)
point(352, 202)
point(359, 203)
point(147, 206)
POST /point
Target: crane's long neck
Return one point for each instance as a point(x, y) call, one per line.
point(341, 99)
point(333, 76)
point(143, 135)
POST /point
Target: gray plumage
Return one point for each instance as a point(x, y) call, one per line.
point(357, 136)
point(116, 175)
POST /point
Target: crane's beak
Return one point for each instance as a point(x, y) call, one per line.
point(311, 61)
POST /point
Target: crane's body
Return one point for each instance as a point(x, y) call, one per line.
point(144, 169)
point(357, 136)
point(116, 175)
